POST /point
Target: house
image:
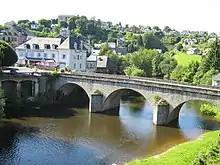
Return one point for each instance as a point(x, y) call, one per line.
point(105, 65)
point(216, 81)
point(64, 17)
point(91, 63)
point(95, 50)
point(34, 26)
point(194, 51)
point(211, 40)
point(120, 42)
point(121, 51)
point(15, 36)
point(190, 41)
point(68, 53)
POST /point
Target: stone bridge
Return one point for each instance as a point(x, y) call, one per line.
point(172, 94)
point(20, 85)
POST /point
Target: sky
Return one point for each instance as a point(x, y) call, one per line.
point(178, 14)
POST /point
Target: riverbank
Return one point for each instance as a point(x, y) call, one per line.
point(186, 153)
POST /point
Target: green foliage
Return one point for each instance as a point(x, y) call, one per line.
point(168, 65)
point(210, 157)
point(142, 59)
point(212, 59)
point(97, 92)
point(156, 98)
point(105, 50)
point(63, 24)
point(209, 109)
point(152, 42)
point(207, 77)
point(133, 71)
point(156, 70)
point(45, 23)
point(185, 73)
point(2, 104)
point(8, 56)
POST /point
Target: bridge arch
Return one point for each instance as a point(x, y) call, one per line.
point(112, 99)
point(175, 111)
point(72, 92)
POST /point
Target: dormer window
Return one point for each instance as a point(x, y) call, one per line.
point(54, 46)
point(35, 46)
point(46, 46)
point(27, 46)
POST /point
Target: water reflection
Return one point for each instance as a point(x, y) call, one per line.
point(99, 139)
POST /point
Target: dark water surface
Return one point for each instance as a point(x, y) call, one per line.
point(98, 139)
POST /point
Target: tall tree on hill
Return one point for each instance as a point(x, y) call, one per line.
point(152, 42)
point(8, 56)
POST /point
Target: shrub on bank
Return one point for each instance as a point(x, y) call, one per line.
point(210, 110)
point(212, 156)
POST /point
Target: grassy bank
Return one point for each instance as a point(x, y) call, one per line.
point(185, 59)
point(186, 153)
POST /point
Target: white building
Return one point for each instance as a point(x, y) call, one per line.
point(69, 53)
point(64, 17)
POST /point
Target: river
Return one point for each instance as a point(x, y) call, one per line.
point(98, 139)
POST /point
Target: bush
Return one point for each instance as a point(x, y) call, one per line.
point(210, 110)
point(156, 98)
point(8, 56)
point(62, 70)
point(212, 156)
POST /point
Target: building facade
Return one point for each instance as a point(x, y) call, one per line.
point(69, 53)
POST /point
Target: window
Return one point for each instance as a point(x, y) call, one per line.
point(74, 66)
point(46, 46)
point(3, 38)
point(80, 57)
point(53, 55)
point(45, 55)
point(9, 39)
point(64, 56)
point(38, 54)
point(80, 66)
point(77, 57)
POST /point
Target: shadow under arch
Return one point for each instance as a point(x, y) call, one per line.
point(10, 88)
point(111, 104)
point(175, 113)
point(27, 88)
point(72, 95)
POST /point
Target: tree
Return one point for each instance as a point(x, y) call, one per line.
point(140, 41)
point(63, 24)
point(207, 77)
point(167, 29)
point(156, 70)
point(8, 56)
point(105, 49)
point(133, 71)
point(152, 42)
point(2, 103)
point(212, 59)
point(44, 22)
point(142, 59)
point(168, 65)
